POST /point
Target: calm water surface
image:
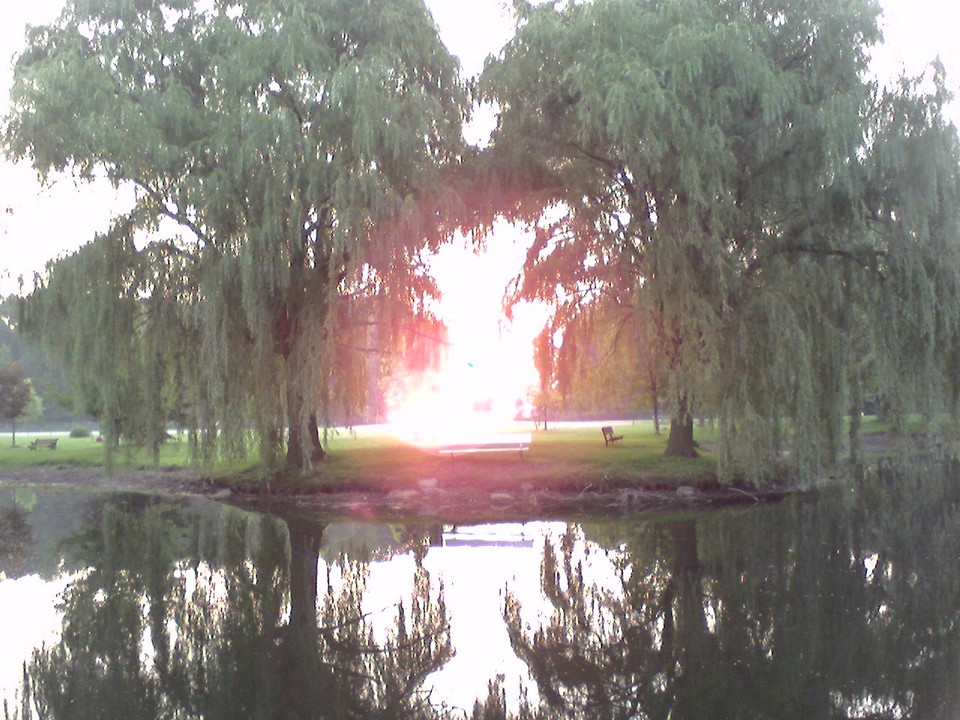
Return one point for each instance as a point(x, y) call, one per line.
point(838, 605)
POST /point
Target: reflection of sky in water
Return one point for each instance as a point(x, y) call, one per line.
point(474, 578)
point(28, 618)
point(860, 606)
point(478, 567)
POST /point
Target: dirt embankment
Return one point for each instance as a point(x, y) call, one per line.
point(460, 493)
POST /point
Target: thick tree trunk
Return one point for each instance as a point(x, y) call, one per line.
point(680, 442)
point(303, 439)
point(882, 408)
point(299, 456)
point(317, 453)
point(294, 459)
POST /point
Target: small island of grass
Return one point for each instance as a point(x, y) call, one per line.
point(568, 465)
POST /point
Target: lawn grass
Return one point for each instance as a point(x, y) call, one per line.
point(86, 452)
point(568, 455)
point(641, 450)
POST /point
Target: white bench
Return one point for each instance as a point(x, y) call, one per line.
point(501, 442)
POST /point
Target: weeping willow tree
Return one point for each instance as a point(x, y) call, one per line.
point(728, 170)
point(286, 158)
point(598, 358)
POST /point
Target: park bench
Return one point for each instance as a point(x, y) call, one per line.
point(608, 436)
point(44, 443)
point(506, 442)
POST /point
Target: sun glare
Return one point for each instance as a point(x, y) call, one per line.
point(484, 372)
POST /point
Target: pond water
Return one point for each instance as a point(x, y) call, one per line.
point(842, 604)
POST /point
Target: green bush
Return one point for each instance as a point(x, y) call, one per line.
point(80, 432)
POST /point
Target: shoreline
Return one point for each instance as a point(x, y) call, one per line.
point(471, 488)
point(431, 497)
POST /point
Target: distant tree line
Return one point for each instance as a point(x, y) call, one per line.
point(721, 198)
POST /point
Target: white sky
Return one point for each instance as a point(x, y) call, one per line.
point(37, 224)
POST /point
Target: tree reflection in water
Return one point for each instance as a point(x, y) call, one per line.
point(235, 630)
point(842, 607)
point(15, 540)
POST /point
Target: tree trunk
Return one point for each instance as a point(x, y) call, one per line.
point(317, 453)
point(299, 457)
point(13, 423)
point(882, 408)
point(655, 395)
point(680, 442)
point(540, 415)
point(295, 460)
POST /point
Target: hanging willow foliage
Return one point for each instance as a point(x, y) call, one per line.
point(289, 153)
point(787, 229)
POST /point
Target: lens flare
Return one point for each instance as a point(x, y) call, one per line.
point(484, 372)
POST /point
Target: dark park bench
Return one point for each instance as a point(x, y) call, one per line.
point(43, 443)
point(608, 436)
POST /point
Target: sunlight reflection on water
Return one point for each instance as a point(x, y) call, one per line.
point(856, 599)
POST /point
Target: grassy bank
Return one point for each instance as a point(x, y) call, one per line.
point(84, 452)
point(570, 456)
point(567, 455)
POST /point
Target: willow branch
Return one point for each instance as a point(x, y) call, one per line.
point(858, 257)
point(175, 215)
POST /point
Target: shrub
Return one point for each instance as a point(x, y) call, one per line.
point(80, 432)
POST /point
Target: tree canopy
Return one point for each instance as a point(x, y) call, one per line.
point(287, 158)
point(728, 172)
point(777, 231)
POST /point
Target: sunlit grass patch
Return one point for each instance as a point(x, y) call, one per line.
point(568, 454)
point(639, 453)
point(374, 457)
